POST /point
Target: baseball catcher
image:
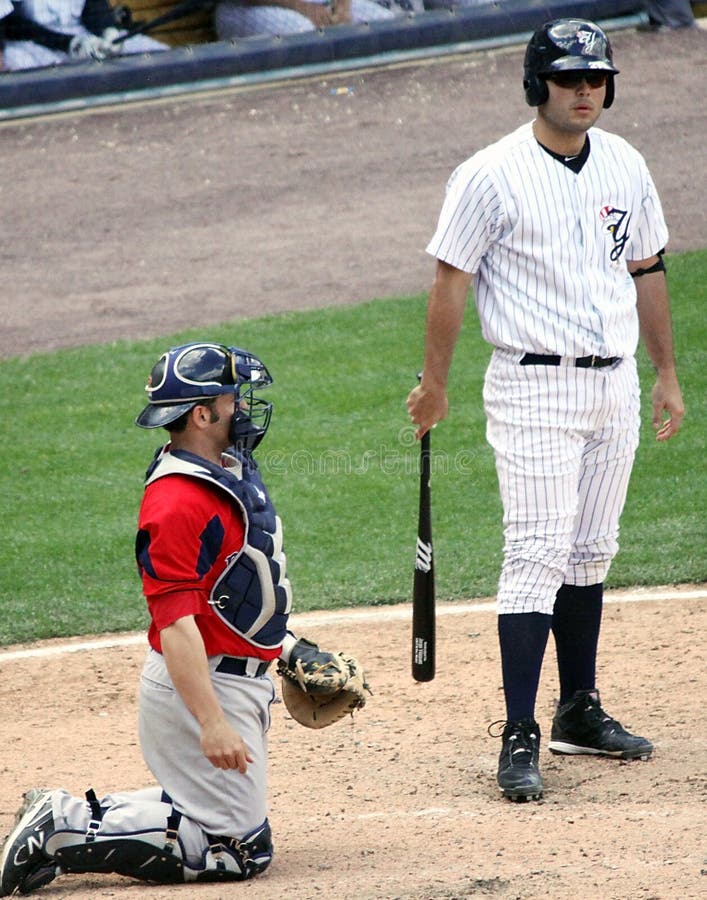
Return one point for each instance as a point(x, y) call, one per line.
point(209, 551)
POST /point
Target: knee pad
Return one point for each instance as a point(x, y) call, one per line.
point(228, 859)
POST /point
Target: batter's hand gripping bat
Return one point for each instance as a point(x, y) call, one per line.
point(423, 590)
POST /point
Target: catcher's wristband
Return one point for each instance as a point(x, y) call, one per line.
point(313, 669)
point(288, 644)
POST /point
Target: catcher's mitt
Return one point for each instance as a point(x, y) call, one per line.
point(319, 688)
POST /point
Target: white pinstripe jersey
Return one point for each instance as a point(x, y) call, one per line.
point(548, 246)
point(5, 8)
point(56, 14)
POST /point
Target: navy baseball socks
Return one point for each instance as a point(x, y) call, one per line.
point(580, 725)
point(576, 620)
point(518, 773)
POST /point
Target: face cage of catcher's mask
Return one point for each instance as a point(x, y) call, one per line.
point(250, 421)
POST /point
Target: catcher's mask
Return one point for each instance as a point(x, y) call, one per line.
point(185, 375)
point(566, 45)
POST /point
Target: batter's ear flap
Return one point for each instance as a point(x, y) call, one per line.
point(536, 92)
point(609, 96)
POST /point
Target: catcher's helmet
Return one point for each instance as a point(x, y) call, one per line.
point(566, 45)
point(185, 375)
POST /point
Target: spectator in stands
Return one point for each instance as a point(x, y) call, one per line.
point(5, 10)
point(668, 14)
point(245, 18)
point(454, 4)
point(50, 32)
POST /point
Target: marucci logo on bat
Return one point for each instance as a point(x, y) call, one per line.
point(423, 556)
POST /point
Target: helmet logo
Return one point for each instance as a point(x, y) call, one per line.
point(588, 39)
point(578, 39)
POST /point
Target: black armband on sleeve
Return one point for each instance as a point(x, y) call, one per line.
point(656, 267)
point(19, 28)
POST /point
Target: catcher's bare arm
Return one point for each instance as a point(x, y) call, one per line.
point(185, 657)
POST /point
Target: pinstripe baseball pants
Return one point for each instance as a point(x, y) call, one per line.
point(564, 440)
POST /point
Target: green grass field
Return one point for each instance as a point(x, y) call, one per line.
point(340, 461)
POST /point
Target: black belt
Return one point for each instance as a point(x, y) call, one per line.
point(238, 665)
point(584, 362)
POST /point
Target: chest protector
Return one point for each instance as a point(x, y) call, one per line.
point(252, 596)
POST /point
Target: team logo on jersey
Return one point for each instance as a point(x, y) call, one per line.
point(615, 222)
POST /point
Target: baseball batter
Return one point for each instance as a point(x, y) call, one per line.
point(560, 228)
point(209, 550)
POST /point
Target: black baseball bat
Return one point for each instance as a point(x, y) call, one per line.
point(423, 589)
point(177, 12)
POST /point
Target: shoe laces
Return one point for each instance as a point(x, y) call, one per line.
point(496, 729)
point(596, 716)
point(524, 731)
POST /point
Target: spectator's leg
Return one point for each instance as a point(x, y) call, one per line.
point(234, 21)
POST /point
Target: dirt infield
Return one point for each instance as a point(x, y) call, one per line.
point(133, 222)
point(141, 220)
point(400, 802)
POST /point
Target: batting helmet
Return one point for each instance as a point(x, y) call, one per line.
point(566, 45)
point(186, 375)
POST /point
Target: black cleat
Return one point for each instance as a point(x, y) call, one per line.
point(518, 774)
point(581, 726)
point(24, 866)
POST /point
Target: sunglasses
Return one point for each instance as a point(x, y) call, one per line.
point(574, 79)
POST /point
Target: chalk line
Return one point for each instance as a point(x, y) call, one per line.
point(338, 617)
